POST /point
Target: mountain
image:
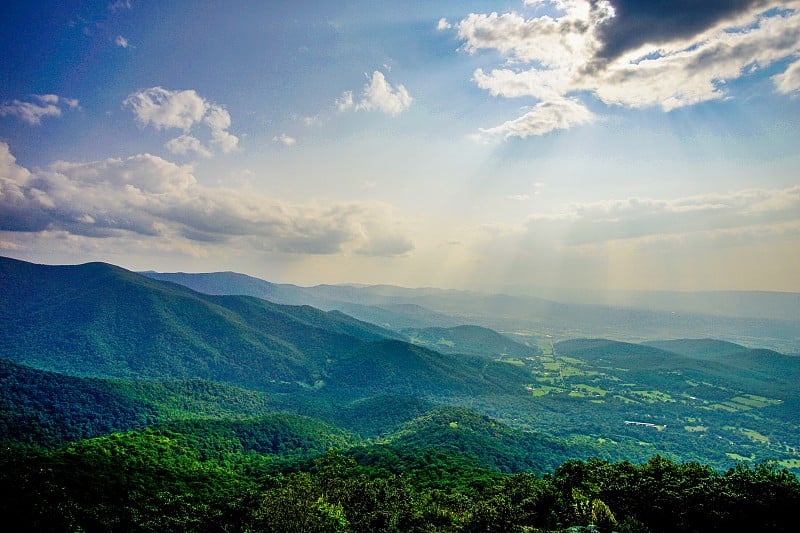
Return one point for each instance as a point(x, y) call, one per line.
point(233, 283)
point(752, 318)
point(103, 321)
point(732, 354)
point(388, 315)
point(474, 340)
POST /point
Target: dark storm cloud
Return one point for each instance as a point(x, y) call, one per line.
point(660, 21)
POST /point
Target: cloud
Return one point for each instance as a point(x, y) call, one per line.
point(186, 144)
point(121, 41)
point(164, 109)
point(636, 23)
point(119, 4)
point(147, 197)
point(544, 117)
point(519, 197)
point(379, 95)
point(789, 80)
point(186, 110)
point(285, 139)
point(345, 102)
point(642, 218)
point(42, 106)
point(443, 24)
point(628, 53)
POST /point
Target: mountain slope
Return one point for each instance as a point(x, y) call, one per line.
point(761, 372)
point(101, 320)
point(392, 316)
point(394, 367)
point(104, 321)
point(47, 408)
point(475, 340)
point(732, 354)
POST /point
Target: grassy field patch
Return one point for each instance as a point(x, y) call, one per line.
point(754, 402)
point(653, 396)
point(542, 390)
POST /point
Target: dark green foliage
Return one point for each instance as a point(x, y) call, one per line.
point(400, 368)
point(490, 443)
point(157, 481)
point(473, 340)
point(44, 408)
point(103, 321)
point(378, 415)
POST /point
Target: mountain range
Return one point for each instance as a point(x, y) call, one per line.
point(106, 349)
point(756, 319)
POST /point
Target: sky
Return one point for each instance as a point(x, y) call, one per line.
point(518, 145)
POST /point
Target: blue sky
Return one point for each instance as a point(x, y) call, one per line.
point(542, 143)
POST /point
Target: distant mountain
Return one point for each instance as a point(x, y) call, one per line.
point(232, 283)
point(388, 315)
point(758, 319)
point(742, 304)
point(735, 355)
point(101, 320)
point(475, 340)
point(725, 364)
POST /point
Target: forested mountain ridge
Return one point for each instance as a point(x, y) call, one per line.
point(105, 321)
point(772, 324)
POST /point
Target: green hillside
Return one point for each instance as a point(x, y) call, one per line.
point(474, 340)
point(394, 367)
point(100, 320)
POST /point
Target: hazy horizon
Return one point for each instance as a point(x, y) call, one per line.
point(519, 145)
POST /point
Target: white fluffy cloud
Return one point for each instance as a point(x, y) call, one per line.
point(38, 107)
point(186, 110)
point(377, 95)
point(345, 102)
point(789, 80)
point(146, 197)
point(544, 117)
point(380, 95)
point(584, 50)
point(186, 145)
point(285, 139)
point(121, 41)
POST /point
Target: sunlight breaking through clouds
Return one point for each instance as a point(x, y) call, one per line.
point(677, 56)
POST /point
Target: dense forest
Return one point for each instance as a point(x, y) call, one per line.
point(165, 480)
